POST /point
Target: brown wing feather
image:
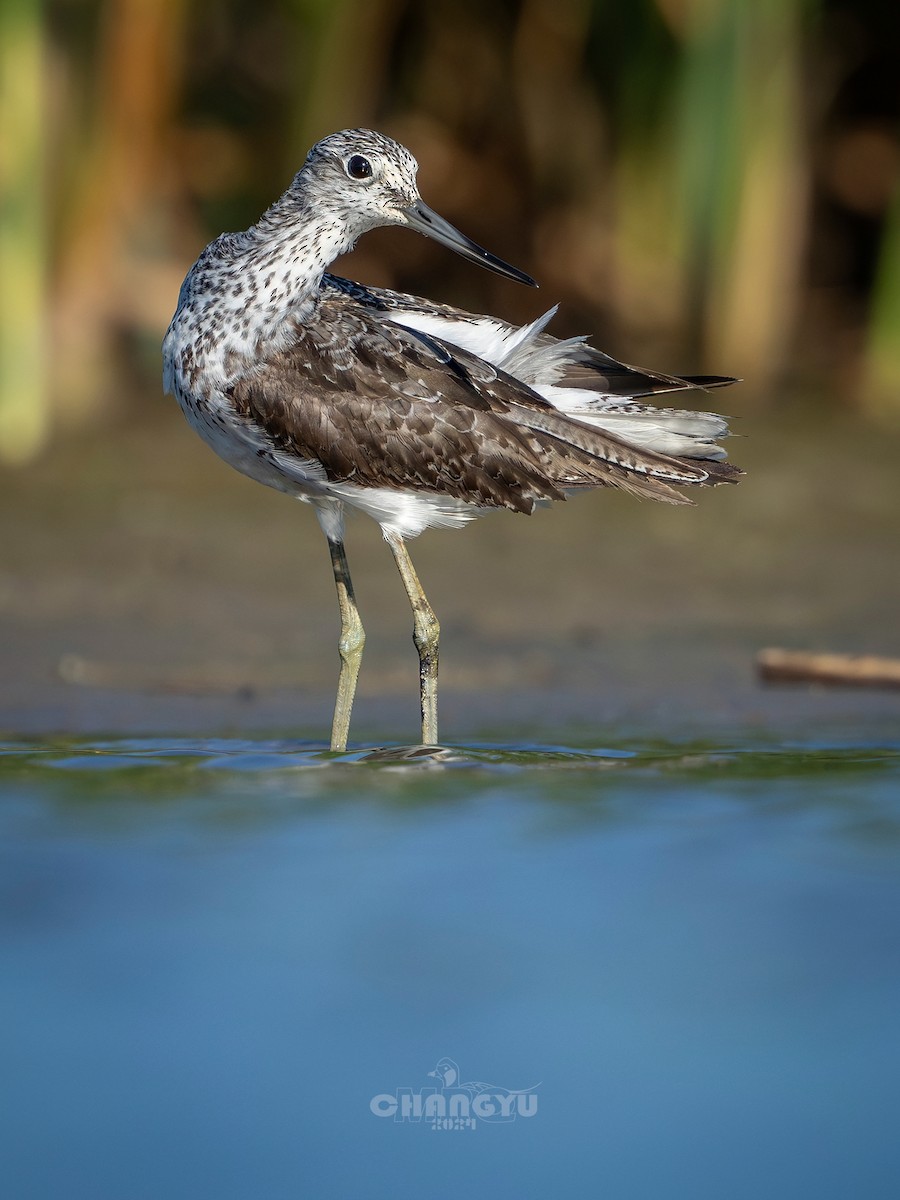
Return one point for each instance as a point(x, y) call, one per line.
point(382, 406)
point(591, 368)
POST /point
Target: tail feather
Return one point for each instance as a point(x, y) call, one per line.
point(708, 381)
point(595, 371)
point(585, 456)
point(679, 433)
point(599, 444)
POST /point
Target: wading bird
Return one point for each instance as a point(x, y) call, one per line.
point(417, 413)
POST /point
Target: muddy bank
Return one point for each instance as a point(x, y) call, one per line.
point(145, 587)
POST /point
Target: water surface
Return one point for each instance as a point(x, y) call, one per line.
point(219, 951)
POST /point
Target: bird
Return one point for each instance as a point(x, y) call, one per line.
point(447, 1071)
point(416, 413)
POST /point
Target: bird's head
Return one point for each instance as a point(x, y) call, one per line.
point(446, 1070)
point(367, 180)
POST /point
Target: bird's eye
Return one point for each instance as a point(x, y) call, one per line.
point(358, 167)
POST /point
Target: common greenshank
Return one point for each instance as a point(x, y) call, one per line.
point(417, 413)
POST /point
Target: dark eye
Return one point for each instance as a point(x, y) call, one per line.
point(359, 167)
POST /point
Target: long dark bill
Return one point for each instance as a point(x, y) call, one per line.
point(425, 220)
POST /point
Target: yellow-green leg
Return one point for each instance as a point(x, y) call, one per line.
point(353, 638)
point(426, 635)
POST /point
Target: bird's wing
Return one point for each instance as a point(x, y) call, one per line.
point(379, 405)
point(572, 376)
point(574, 363)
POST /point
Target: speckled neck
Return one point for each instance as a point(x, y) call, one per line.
point(247, 289)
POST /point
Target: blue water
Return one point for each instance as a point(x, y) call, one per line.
point(217, 953)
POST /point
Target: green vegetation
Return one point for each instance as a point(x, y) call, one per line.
point(709, 184)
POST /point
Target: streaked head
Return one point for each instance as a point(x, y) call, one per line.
point(369, 180)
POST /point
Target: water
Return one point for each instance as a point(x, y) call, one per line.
point(219, 951)
point(663, 896)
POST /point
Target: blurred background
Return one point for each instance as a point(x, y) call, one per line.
point(706, 184)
